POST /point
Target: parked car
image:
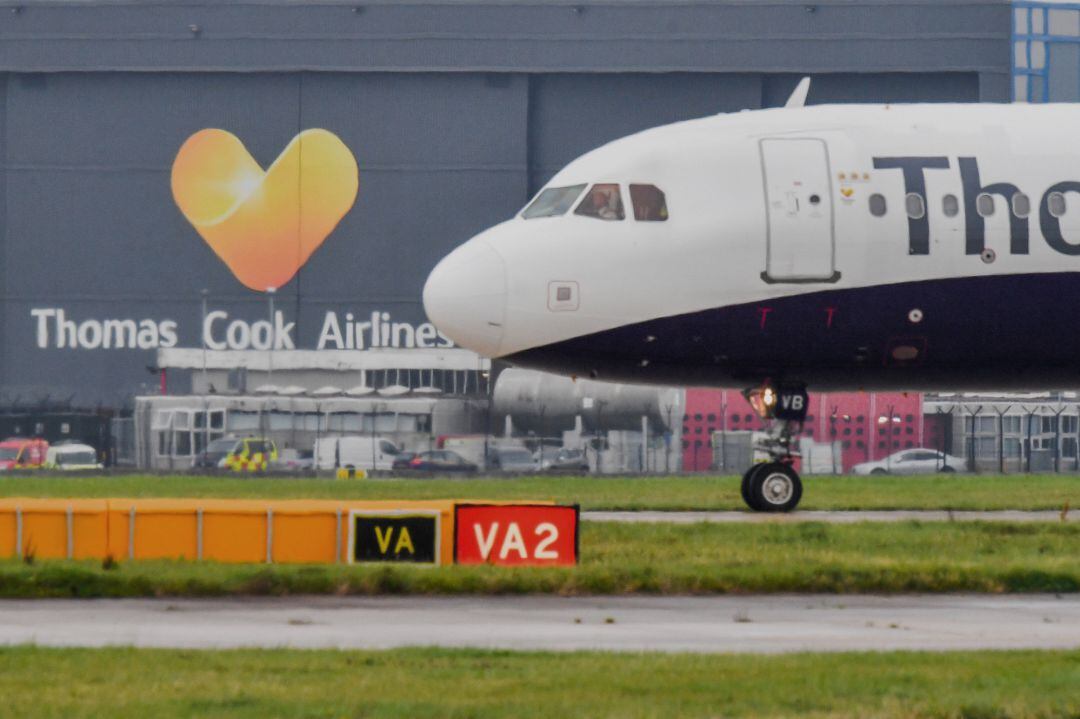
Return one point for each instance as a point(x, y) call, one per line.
point(22, 453)
point(72, 457)
point(401, 462)
point(912, 461)
point(562, 459)
point(440, 460)
point(511, 459)
point(293, 460)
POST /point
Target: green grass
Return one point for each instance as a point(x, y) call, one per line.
point(644, 558)
point(69, 683)
point(678, 492)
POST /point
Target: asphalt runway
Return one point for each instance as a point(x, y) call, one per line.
point(832, 517)
point(758, 624)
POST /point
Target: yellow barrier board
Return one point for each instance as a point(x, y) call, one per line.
point(226, 530)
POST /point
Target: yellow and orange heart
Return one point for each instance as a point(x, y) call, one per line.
point(264, 225)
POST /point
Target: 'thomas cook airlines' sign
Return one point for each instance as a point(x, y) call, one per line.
point(56, 328)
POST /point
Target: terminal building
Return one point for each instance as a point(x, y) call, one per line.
point(141, 274)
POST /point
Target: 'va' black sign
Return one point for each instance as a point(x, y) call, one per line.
point(395, 538)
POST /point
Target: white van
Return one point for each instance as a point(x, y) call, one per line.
point(370, 453)
point(72, 457)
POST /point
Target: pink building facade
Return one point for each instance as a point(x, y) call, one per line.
point(868, 425)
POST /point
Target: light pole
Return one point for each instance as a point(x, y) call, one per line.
point(486, 375)
point(270, 352)
point(600, 435)
point(202, 336)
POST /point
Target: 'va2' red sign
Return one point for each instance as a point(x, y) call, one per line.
point(515, 534)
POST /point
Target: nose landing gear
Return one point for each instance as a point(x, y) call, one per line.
point(774, 485)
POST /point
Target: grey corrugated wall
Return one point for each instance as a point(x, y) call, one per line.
point(456, 112)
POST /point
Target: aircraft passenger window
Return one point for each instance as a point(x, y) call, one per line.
point(1021, 205)
point(649, 203)
point(877, 205)
point(603, 202)
point(1055, 203)
point(553, 201)
point(914, 205)
point(984, 204)
point(950, 205)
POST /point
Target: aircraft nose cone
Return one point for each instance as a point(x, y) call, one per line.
point(465, 297)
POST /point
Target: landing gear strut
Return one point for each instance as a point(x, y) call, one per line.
point(774, 485)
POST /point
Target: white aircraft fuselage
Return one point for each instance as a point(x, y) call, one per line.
point(845, 247)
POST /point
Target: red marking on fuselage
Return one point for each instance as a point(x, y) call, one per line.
point(764, 312)
point(830, 312)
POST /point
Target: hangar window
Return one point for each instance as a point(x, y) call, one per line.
point(649, 202)
point(552, 202)
point(984, 204)
point(1021, 205)
point(1055, 203)
point(913, 203)
point(602, 202)
point(877, 204)
point(950, 205)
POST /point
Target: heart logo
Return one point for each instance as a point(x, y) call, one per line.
point(264, 225)
point(847, 191)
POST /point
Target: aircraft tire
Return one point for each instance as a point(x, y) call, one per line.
point(775, 487)
point(747, 481)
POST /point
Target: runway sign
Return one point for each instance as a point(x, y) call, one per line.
point(407, 536)
point(516, 534)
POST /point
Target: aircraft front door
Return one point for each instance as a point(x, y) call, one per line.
point(798, 199)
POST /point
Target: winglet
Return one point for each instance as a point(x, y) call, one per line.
point(798, 95)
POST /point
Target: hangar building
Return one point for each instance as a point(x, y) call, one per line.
point(138, 137)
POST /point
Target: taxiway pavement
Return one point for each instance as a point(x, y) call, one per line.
point(759, 624)
point(833, 517)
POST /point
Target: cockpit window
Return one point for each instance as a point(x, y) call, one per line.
point(604, 202)
point(649, 203)
point(553, 201)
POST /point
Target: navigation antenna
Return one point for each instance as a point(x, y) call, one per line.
point(798, 95)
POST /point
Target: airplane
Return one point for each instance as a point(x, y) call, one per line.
point(834, 247)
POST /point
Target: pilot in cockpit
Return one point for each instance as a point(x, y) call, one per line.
point(603, 202)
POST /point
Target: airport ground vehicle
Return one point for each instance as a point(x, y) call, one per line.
point(845, 247)
point(912, 461)
point(440, 461)
point(243, 454)
point(357, 451)
point(22, 453)
point(72, 457)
